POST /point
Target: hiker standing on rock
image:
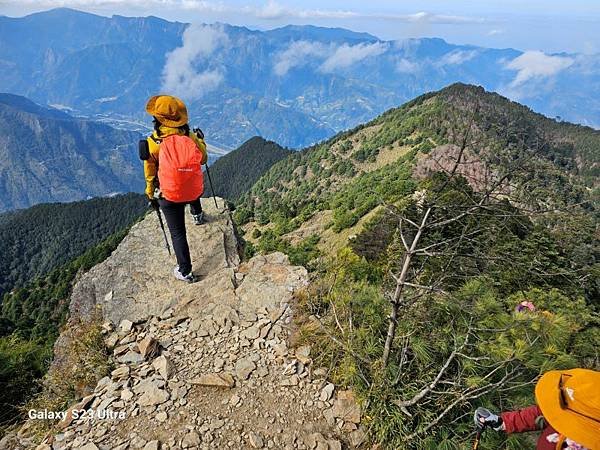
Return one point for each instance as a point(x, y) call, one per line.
point(567, 412)
point(175, 157)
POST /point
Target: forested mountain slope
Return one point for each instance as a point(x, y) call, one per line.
point(47, 155)
point(36, 240)
point(423, 231)
point(236, 172)
point(347, 172)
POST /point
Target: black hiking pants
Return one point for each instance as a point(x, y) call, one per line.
point(175, 217)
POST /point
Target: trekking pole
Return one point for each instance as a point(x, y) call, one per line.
point(200, 134)
point(477, 438)
point(211, 186)
point(162, 226)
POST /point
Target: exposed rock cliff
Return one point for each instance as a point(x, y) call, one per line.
point(206, 365)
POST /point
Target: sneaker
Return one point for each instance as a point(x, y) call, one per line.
point(189, 278)
point(198, 218)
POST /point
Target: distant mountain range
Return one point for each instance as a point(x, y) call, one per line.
point(361, 163)
point(49, 156)
point(295, 85)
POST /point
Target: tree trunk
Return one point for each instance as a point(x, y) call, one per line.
point(400, 283)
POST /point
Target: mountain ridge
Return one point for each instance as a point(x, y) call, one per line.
point(344, 180)
point(254, 332)
point(234, 173)
point(303, 88)
point(48, 155)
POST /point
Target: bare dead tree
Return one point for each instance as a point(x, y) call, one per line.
point(401, 279)
point(498, 184)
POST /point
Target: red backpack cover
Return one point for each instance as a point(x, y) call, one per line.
point(180, 169)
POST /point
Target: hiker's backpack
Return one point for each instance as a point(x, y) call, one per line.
point(180, 169)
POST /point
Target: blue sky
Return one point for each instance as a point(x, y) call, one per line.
point(549, 25)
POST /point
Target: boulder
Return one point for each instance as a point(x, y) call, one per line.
point(152, 396)
point(303, 354)
point(255, 440)
point(148, 347)
point(191, 440)
point(243, 368)
point(152, 445)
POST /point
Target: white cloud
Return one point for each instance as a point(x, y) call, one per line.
point(535, 64)
point(495, 32)
point(457, 57)
point(298, 54)
point(406, 66)
point(425, 17)
point(333, 57)
point(276, 11)
point(179, 74)
point(346, 55)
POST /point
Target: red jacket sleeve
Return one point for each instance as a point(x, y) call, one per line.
point(522, 420)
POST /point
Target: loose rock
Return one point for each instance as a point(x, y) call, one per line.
point(243, 368)
point(148, 347)
point(255, 440)
point(163, 366)
point(215, 379)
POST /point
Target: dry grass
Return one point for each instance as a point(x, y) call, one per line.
point(81, 359)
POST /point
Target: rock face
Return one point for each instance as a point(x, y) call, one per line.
point(136, 282)
point(202, 366)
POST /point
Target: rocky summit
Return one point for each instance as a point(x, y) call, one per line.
point(207, 365)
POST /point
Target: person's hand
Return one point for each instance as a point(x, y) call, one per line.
point(485, 418)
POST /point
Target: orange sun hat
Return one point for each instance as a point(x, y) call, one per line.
point(169, 110)
point(570, 403)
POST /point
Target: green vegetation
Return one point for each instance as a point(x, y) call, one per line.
point(472, 313)
point(30, 320)
point(22, 363)
point(382, 186)
point(301, 254)
point(36, 240)
point(71, 378)
point(563, 170)
point(236, 172)
point(37, 309)
point(534, 241)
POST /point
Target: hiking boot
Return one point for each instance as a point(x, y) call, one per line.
point(198, 218)
point(189, 278)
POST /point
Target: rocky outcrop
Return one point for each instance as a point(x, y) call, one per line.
point(224, 378)
point(136, 282)
point(202, 366)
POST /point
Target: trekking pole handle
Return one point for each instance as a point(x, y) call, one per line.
point(199, 133)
